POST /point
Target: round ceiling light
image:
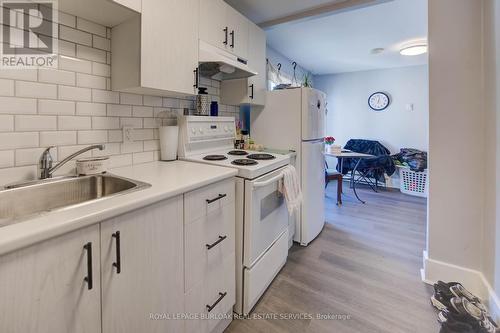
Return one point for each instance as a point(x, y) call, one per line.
point(414, 49)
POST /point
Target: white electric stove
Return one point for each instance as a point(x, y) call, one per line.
point(261, 215)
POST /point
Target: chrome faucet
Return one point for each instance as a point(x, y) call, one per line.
point(45, 163)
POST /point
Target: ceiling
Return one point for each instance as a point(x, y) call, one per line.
point(265, 10)
point(342, 42)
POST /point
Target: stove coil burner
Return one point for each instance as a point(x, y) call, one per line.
point(261, 157)
point(244, 162)
point(215, 158)
point(238, 152)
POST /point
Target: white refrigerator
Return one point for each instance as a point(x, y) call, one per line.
point(295, 119)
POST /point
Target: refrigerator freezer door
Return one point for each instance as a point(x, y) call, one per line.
point(313, 190)
point(313, 114)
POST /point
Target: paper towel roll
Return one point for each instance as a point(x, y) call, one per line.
point(169, 136)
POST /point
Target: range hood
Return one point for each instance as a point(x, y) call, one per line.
point(221, 65)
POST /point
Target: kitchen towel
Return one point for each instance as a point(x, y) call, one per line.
point(290, 188)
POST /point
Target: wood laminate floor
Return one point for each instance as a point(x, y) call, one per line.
point(365, 265)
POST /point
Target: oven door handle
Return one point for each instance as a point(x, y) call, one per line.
point(269, 181)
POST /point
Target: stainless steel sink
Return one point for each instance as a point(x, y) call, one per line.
point(17, 202)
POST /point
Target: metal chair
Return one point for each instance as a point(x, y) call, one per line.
point(332, 174)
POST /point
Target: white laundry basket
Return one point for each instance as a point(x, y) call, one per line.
point(413, 183)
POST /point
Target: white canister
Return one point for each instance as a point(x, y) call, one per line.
point(169, 136)
point(92, 165)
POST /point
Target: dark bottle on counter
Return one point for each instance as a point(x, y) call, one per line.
point(214, 109)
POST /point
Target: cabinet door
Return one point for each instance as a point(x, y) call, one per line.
point(238, 32)
point(214, 28)
point(169, 45)
point(257, 61)
point(43, 290)
point(147, 286)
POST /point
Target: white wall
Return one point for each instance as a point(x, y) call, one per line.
point(286, 64)
point(350, 117)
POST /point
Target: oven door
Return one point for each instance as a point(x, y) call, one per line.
point(266, 215)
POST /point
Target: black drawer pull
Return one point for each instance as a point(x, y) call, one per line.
point(232, 39)
point(89, 279)
point(211, 307)
point(209, 201)
point(196, 79)
point(221, 238)
point(226, 29)
point(252, 88)
point(118, 263)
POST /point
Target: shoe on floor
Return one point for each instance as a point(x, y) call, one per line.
point(465, 311)
point(444, 292)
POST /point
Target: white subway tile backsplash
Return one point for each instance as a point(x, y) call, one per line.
point(91, 137)
point(67, 48)
point(30, 156)
point(57, 138)
point(131, 99)
point(101, 69)
point(151, 145)
point(91, 27)
point(67, 19)
point(75, 94)
point(142, 111)
point(6, 159)
point(56, 76)
point(131, 147)
point(6, 123)
point(74, 123)
point(105, 123)
point(36, 90)
point(35, 123)
point(73, 106)
point(101, 43)
point(55, 107)
point(90, 109)
point(76, 36)
point(116, 110)
point(90, 81)
point(15, 105)
point(19, 74)
point(131, 122)
point(88, 53)
point(115, 136)
point(6, 87)
point(75, 65)
point(153, 101)
point(18, 140)
point(143, 157)
point(105, 96)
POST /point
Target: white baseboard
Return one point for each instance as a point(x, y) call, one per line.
point(473, 280)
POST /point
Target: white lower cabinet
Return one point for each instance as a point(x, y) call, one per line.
point(210, 260)
point(53, 286)
point(142, 270)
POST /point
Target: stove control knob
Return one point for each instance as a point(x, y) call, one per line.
point(201, 130)
point(193, 130)
point(226, 129)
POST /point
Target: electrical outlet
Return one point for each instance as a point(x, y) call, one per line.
point(128, 134)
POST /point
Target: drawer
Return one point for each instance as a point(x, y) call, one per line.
point(208, 230)
point(203, 201)
point(208, 292)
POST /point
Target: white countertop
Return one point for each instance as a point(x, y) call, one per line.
point(168, 179)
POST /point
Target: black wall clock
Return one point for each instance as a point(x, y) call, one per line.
point(379, 101)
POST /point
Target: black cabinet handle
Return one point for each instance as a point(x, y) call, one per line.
point(89, 279)
point(118, 262)
point(221, 296)
point(209, 201)
point(226, 30)
point(221, 238)
point(251, 90)
point(195, 85)
point(232, 39)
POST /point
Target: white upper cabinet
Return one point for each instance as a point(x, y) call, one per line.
point(131, 4)
point(157, 53)
point(252, 90)
point(224, 27)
